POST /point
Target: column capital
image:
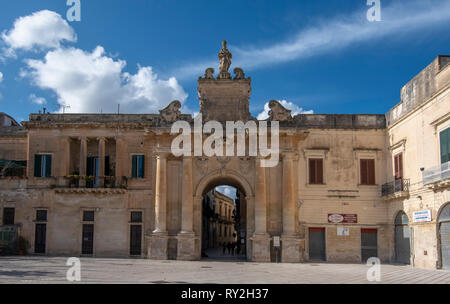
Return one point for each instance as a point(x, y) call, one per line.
point(161, 155)
point(289, 155)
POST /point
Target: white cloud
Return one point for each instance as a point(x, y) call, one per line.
point(37, 100)
point(227, 190)
point(40, 30)
point(90, 82)
point(1, 77)
point(337, 33)
point(288, 105)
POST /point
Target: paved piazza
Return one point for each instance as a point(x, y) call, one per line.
point(133, 271)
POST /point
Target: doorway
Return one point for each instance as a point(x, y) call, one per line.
point(402, 239)
point(317, 251)
point(444, 236)
point(369, 244)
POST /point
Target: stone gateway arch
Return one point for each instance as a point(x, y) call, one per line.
point(110, 185)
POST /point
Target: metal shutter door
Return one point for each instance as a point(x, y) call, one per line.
point(369, 244)
point(402, 244)
point(445, 244)
point(317, 244)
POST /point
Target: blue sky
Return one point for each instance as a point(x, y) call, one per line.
point(321, 56)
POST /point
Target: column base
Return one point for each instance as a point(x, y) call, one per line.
point(158, 246)
point(186, 246)
point(292, 249)
point(261, 248)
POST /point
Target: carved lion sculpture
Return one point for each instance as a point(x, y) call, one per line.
point(171, 112)
point(239, 74)
point(278, 112)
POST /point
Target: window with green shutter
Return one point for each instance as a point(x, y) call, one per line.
point(137, 166)
point(445, 145)
point(43, 165)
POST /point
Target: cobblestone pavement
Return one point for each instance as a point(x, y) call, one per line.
point(128, 271)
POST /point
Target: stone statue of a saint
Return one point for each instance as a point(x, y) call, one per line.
point(225, 61)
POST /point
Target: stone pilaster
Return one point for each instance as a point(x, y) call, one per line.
point(159, 238)
point(292, 246)
point(101, 161)
point(260, 239)
point(83, 160)
point(186, 237)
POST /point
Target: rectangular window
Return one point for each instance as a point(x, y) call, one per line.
point(8, 216)
point(316, 171)
point(136, 217)
point(398, 166)
point(445, 145)
point(43, 165)
point(137, 166)
point(41, 215)
point(367, 167)
point(88, 216)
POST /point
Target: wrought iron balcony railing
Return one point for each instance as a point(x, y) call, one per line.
point(399, 185)
point(436, 174)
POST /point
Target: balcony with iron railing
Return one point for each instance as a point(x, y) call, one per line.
point(437, 176)
point(395, 189)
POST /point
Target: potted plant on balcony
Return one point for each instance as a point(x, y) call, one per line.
point(109, 181)
point(22, 245)
point(74, 180)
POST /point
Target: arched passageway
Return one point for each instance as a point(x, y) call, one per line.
point(224, 217)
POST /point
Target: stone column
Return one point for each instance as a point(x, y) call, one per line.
point(120, 157)
point(159, 239)
point(64, 155)
point(101, 161)
point(186, 237)
point(288, 195)
point(260, 239)
point(161, 195)
point(291, 243)
point(83, 160)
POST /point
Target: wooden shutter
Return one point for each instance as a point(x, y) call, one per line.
point(319, 171)
point(371, 171)
point(312, 171)
point(48, 165)
point(398, 164)
point(363, 173)
point(37, 165)
point(316, 171)
point(445, 145)
point(134, 166)
point(141, 168)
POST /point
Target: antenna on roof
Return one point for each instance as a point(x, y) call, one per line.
point(118, 108)
point(64, 108)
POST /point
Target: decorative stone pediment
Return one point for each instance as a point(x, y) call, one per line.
point(278, 112)
point(171, 112)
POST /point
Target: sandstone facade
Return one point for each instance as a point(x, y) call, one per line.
point(335, 190)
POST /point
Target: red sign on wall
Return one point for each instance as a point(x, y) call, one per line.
point(337, 218)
